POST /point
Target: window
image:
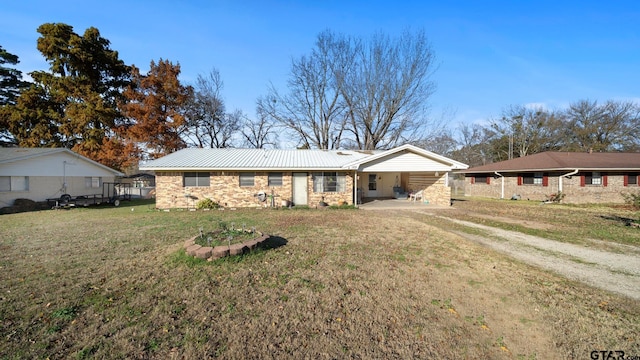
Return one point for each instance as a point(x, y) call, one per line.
point(532, 179)
point(632, 179)
point(593, 179)
point(481, 179)
point(373, 184)
point(196, 179)
point(329, 182)
point(92, 182)
point(275, 179)
point(247, 179)
point(14, 183)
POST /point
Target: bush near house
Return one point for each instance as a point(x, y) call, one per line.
point(207, 204)
point(632, 199)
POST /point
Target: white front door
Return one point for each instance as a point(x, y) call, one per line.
point(300, 189)
point(373, 185)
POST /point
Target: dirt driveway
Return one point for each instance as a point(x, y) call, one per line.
point(616, 272)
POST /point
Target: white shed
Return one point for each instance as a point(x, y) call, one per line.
point(39, 174)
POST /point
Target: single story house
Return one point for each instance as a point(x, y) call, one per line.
point(248, 177)
point(39, 174)
point(581, 177)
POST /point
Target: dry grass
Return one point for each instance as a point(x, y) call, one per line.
point(114, 283)
point(570, 223)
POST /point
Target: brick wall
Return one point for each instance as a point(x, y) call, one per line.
point(331, 198)
point(225, 189)
point(433, 188)
point(574, 193)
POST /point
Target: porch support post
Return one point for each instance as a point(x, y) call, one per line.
point(355, 188)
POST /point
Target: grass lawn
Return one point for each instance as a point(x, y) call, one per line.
point(109, 282)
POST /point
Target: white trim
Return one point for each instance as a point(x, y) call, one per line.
point(454, 165)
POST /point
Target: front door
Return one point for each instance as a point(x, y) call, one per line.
point(300, 189)
point(373, 186)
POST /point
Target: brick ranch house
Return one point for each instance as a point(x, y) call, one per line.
point(242, 177)
point(581, 177)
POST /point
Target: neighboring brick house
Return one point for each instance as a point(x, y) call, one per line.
point(244, 177)
point(581, 177)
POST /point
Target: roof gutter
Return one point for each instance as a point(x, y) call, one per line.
point(563, 176)
point(502, 190)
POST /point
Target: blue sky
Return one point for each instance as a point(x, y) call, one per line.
point(490, 54)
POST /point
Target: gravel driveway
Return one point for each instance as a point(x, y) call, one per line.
point(616, 272)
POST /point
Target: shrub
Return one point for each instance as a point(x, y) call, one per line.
point(207, 204)
point(632, 199)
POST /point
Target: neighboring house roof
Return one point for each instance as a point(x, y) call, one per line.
point(17, 154)
point(560, 161)
point(279, 159)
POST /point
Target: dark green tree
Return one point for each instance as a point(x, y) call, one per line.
point(74, 104)
point(11, 84)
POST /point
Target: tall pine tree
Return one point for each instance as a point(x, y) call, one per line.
point(74, 104)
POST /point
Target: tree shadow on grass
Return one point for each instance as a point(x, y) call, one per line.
point(626, 221)
point(274, 242)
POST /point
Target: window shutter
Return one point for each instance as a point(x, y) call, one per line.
point(488, 179)
point(626, 180)
point(582, 180)
point(473, 179)
point(545, 180)
point(519, 180)
point(604, 180)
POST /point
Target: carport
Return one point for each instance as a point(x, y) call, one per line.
point(395, 173)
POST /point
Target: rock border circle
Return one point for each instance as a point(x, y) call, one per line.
point(212, 253)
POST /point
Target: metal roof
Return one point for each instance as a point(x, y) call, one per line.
point(551, 160)
point(254, 159)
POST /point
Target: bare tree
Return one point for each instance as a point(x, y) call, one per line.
point(259, 133)
point(527, 131)
point(359, 94)
point(612, 126)
point(208, 124)
point(385, 83)
point(474, 144)
point(312, 109)
point(443, 144)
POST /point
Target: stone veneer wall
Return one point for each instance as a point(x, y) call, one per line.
point(574, 193)
point(433, 188)
point(331, 198)
point(225, 189)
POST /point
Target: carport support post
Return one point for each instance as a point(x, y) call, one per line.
point(355, 188)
